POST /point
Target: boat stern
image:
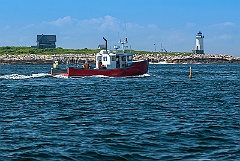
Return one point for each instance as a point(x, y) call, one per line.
point(58, 71)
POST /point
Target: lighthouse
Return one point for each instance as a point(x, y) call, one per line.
point(199, 43)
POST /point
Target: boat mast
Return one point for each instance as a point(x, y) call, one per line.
point(123, 42)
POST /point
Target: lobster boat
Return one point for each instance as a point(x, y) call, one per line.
point(111, 64)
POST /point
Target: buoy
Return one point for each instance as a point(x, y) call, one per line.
point(190, 74)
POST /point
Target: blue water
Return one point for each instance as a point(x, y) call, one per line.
point(163, 115)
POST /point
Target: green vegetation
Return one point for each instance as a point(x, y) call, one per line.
point(28, 50)
point(12, 50)
point(163, 53)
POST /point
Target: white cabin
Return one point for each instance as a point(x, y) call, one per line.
point(107, 60)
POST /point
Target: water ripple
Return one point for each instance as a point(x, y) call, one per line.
point(165, 116)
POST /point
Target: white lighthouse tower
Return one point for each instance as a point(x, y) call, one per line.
point(199, 43)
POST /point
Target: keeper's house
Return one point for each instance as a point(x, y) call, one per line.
point(45, 41)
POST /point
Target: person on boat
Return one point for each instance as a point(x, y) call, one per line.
point(86, 66)
point(99, 65)
point(55, 64)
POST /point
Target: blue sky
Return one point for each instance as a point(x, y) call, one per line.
point(83, 23)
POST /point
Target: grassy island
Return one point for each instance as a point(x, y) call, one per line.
point(22, 55)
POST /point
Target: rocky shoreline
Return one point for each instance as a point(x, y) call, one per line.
point(194, 59)
point(153, 58)
point(44, 59)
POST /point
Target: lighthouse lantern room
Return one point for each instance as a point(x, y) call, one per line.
point(199, 43)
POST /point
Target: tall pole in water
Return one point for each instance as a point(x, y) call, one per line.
point(190, 74)
point(106, 43)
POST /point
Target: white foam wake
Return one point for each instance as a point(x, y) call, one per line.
point(140, 76)
point(18, 76)
point(60, 76)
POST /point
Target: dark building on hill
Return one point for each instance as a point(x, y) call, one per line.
point(46, 41)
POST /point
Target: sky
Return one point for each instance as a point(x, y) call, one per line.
point(169, 24)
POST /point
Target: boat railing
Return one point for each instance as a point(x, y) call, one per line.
point(73, 59)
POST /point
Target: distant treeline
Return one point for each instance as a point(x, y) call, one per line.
point(49, 51)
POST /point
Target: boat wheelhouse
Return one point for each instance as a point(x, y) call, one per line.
point(107, 60)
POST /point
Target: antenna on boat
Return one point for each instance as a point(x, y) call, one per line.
point(123, 42)
point(106, 43)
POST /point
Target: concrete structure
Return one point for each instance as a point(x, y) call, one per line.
point(199, 43)
point(45, 41)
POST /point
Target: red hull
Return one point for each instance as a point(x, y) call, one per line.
point(137, 68)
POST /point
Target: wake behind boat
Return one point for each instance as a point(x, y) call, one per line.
point(112, 64)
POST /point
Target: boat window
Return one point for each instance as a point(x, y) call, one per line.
point(113, 58)
point(130, 58)
point(123, 58)
point(104, 58)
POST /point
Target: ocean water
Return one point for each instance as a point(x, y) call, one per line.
point(162, 115)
